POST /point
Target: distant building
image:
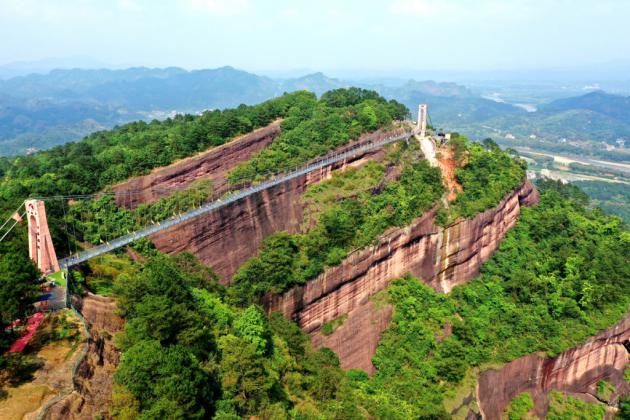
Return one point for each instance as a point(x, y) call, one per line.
point(510, 136)
point(621, 142)
point(532, 136)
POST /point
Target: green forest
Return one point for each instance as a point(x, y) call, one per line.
point(194, 349)
point(613, 198)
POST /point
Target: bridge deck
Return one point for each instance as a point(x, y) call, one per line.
point(231, 198)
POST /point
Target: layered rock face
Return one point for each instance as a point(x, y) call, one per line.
point(212, 165)
point(241, 226)
point(94, 378)
point(576, 371)
point(443, 257)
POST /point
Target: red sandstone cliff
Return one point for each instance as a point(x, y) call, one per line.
point(442, 257)
point(213, 165)
point(576, 371)
point(241, 226)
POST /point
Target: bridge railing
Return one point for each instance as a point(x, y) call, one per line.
point(231, 197)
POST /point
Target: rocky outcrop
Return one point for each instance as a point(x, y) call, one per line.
point(576, 371)
point(94, 377)
point(241, 226)
point(212, 165)
point(443, 257)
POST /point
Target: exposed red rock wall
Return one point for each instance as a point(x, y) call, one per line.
point(212, 165)
point(442, 257)
point(240, 227)
point(576, 371)
point(364, 325)
point(94, 377)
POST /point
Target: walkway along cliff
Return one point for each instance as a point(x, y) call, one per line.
point(240, 227)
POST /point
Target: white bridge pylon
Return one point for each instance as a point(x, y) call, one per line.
point(423, 112)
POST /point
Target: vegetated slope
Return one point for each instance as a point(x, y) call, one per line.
point(613, 198)
point(614, 106)
point(352, 209)
point(559, 277)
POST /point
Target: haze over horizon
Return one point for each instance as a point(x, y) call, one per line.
point(397, 38)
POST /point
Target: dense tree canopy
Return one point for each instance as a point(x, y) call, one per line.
point(189, 354)
point(486, 176)
point(194, 349)
point(538, 292)
point(313, 129)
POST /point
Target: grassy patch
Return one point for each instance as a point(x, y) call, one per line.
point(381, 299)
point(321, 197)
point(22, 400)
point(58, 278)
point(61, 328)
point(564, 407)
point(520, 407)
point(104, 270)
point(330, 326)
point(605, 390)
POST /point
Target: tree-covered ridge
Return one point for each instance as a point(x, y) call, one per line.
point(365, 205)
point(487, 175)
point(111, 156)
point(189, 354)
point(560, 276)
point(315, 129)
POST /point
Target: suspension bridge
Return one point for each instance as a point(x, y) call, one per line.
point(41, 249)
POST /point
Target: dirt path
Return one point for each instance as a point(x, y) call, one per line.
point(448, 165)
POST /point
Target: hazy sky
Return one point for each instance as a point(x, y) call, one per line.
point(282, 34)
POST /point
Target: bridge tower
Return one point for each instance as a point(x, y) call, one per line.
point(423, 112)
point(40, 245)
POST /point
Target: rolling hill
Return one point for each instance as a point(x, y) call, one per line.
point(42, 110)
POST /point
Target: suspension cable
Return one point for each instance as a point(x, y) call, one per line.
point(11, 228)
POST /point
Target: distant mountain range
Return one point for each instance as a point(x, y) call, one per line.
point(41, 110)
point(596, 116)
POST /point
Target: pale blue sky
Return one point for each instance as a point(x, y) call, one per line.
point(354, 34)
